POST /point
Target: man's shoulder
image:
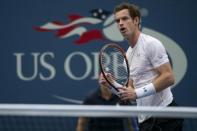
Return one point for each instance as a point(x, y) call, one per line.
point(149, 42)
point(149, 39)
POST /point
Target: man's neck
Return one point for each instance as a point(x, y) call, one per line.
point(134, 38)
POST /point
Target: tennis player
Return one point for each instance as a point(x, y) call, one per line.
point(150, 71)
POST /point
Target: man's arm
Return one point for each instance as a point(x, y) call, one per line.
point(165, 77)
point(81, 124)
point(164, 80)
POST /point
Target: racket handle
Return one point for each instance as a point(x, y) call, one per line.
point(117, 85)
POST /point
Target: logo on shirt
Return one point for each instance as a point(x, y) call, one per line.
point(138, 55)
point(145, 90)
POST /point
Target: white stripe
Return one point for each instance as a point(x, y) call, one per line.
point(68, 99)
point(95, 111)
point(52, 25)
point(77, 31)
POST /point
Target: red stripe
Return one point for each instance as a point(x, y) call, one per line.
point(40, 29)
point(89, 36)
point(57, 23)
point(74, 17)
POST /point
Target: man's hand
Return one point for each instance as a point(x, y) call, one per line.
point(127, 93)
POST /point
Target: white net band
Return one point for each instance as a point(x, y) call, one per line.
point(95, 111)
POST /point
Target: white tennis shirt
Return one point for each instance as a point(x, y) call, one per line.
point(147, 54)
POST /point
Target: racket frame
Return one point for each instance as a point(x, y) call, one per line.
point(112, 45)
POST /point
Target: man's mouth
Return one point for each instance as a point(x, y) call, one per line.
point(122, 30)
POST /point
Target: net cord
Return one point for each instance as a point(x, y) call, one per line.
point(94, 111)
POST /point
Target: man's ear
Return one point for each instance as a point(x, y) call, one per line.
point(136, 21)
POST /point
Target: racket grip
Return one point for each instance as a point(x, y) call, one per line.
point(114, 91)
point(116, 84)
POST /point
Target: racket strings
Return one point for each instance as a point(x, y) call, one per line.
point(113, 62)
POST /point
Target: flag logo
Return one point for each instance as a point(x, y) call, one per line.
point(99, 25)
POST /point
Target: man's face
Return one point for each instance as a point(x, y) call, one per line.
point(125, 23)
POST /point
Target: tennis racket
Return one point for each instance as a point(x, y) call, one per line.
point(114, 66)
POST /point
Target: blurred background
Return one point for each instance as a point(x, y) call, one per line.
point(49, 49)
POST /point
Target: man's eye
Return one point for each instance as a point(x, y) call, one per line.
point(117, 21)
point(125, 18)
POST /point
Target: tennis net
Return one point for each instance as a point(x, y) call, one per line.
point(45, 117)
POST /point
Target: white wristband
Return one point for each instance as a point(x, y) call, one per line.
point(145, 90)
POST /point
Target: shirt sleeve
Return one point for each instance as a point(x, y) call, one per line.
point(156, 53)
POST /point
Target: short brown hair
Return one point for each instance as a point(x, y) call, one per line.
point(133, 9)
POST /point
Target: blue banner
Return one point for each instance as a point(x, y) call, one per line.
point(49, 49)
